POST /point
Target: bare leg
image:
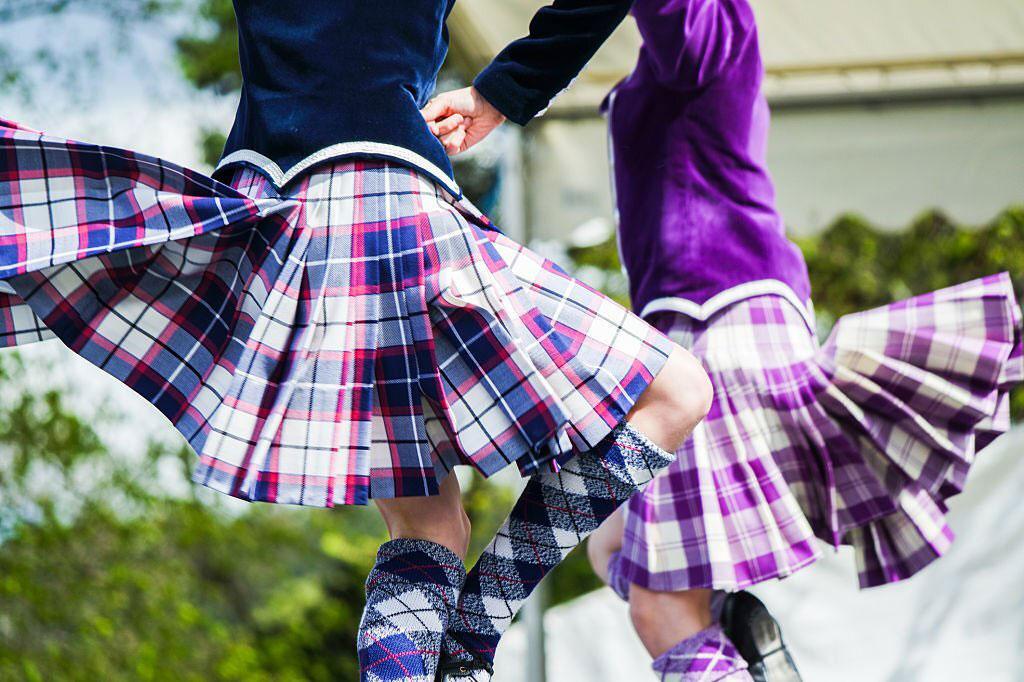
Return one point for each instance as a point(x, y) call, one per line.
point(440, 518)
point(663, 619)
point(679, 629)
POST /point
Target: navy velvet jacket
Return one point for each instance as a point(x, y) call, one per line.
point(324, 79)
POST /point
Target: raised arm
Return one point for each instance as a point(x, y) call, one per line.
point(525, 76)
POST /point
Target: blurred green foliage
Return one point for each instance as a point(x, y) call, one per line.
point(105, 576)
point(854, 266)
point(209, 53)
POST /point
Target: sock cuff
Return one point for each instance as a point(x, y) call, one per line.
point(627, 433)
point(419, 561)
point(435, 551)
point(692, 645)
point(638, 456)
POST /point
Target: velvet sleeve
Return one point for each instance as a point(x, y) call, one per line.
point(525, 76)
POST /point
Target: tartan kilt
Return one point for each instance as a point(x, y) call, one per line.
point(857, 442)
point(355, 334)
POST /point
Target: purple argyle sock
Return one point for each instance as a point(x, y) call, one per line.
point(708, 656)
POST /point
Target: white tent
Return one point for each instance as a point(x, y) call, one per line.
point(883, 108)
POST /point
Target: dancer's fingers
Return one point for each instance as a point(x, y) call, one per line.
point(455, 141)
point(447, 125)
point(437, 108)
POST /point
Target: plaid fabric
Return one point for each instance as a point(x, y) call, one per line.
point(554, 514)
point(63, 201)
point(858, 442)
point(354, 336)
point(708, 656)
point(410, 594)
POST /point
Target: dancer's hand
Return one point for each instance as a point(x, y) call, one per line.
point(461, 118)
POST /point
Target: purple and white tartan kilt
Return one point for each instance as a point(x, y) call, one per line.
point(353, 336)
point(858, 442)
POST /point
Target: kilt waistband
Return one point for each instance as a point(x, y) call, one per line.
point(335, 152)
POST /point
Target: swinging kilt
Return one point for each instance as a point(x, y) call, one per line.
point(353, 335)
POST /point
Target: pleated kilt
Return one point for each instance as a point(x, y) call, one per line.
point(354, 335)
point(858, 442)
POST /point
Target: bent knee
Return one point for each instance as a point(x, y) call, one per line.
point(675, 402)
point(683, 389)
point(696, 399)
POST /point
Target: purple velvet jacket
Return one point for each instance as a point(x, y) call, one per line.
point(698, 227)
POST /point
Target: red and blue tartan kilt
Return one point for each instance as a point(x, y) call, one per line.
point(860, 441)
point(355, 335)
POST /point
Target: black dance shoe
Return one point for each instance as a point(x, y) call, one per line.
point(758, 637)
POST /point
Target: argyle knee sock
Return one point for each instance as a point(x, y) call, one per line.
point(556, 511)
point(410, 594)
point(708, 656)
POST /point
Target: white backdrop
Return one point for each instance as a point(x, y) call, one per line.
point(960, 620)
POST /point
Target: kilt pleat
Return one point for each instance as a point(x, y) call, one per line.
point(859, 441)
point(353, 335)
